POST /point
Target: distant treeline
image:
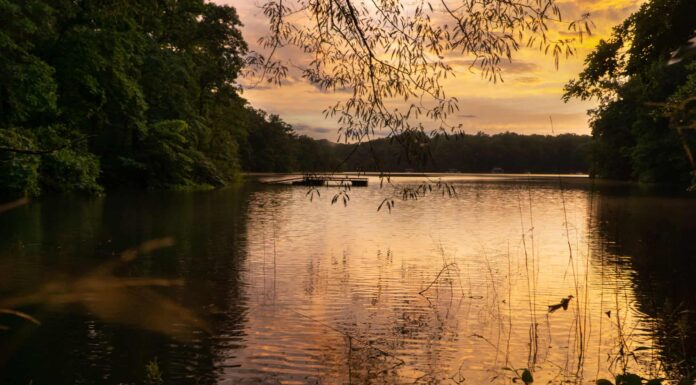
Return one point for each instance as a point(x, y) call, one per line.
point(508, 152)
point(275, 148)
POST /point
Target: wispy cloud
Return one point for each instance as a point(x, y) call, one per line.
point(528, 79)
point(306, 129)
point(531, 91)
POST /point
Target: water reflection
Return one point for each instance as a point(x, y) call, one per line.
point(648, 239)
point(70, 238)
point(442, 290)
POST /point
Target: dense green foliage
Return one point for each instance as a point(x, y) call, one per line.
point(635, 131)
point(113, 93)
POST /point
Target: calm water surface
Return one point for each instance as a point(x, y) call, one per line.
point(260, 284)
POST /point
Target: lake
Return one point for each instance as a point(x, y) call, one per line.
point(275, 284)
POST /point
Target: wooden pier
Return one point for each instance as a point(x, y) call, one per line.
point(322, 180)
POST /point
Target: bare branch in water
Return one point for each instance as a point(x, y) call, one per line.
point(14, 204)
point(21, 315)
point(110, 297)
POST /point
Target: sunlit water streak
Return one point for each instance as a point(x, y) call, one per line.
point(300, 291)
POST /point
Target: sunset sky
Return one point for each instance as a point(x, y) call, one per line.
point(523, 103)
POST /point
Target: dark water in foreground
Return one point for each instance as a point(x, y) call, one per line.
point(262, 285)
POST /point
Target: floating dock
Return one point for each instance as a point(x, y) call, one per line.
point(322, 180)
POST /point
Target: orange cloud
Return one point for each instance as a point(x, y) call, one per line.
point(523, 103)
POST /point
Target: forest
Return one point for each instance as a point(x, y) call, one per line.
point(507, 152)
point(101, 95)
point(273, 146)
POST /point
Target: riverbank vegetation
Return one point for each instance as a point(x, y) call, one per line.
point(103, 95)
point(126, 94)
point(644, 78)
point(97, 95)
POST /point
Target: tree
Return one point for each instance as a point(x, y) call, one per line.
point(631, 77)
point(681, 111)
point(27, 87)
point(270, 143)
point(114, 93)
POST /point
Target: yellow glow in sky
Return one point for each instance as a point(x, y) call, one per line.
point(530, 93)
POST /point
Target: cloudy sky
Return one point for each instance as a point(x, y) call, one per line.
point(523, 103)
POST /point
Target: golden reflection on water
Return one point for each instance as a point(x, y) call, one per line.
point(271, 287)
point(330, 273)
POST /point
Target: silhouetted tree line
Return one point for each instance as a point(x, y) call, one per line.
point(480, 152)
point(274, 147)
